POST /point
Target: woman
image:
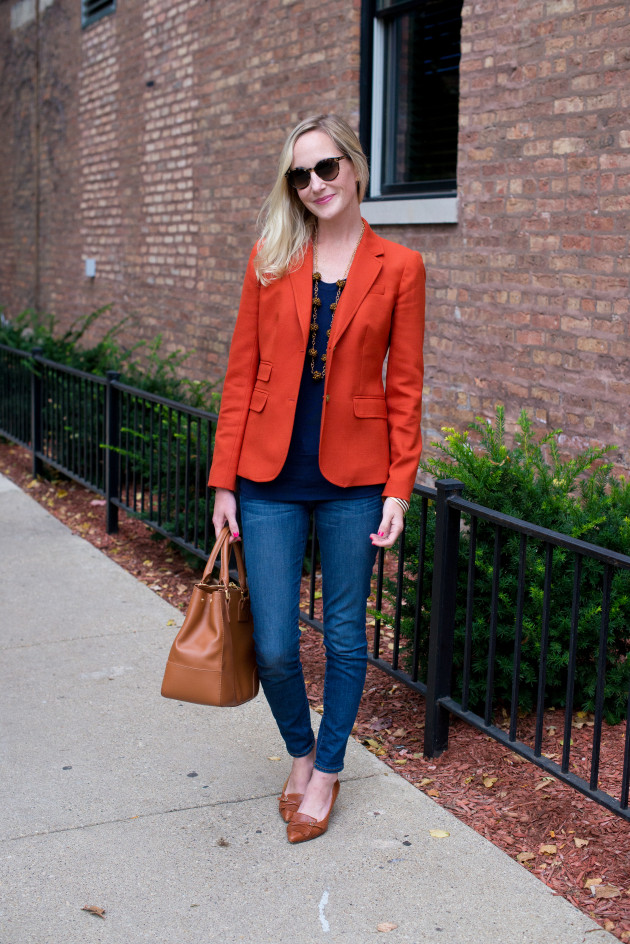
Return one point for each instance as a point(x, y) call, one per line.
point(306, 425)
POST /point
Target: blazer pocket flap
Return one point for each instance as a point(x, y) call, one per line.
point(370, 407)
point(264, 371)
point(258, 401)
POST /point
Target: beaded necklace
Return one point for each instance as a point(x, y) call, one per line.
point(320, 374)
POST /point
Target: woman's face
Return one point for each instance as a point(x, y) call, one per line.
point(327, 200)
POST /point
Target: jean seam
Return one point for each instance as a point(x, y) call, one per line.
point(327, 770)
point(297, 756)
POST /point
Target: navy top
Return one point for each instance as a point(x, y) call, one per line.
point(300, 478)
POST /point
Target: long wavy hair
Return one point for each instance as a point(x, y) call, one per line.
point(286, 226)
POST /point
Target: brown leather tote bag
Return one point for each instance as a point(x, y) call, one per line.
point(212, 660)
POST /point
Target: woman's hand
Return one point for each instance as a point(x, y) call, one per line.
point(225, 513)
point(391, 524)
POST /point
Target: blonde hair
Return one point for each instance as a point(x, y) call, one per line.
point(286, 226)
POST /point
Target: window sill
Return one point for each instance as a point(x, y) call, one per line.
point(403, 211)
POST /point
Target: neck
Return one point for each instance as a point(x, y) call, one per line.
point(340, 231)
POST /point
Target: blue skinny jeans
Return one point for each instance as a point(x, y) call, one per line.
point(275, 535)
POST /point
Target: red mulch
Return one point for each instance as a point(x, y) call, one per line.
point(572, 844)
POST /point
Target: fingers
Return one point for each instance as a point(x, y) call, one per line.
point(391, 526)
point(225, 513)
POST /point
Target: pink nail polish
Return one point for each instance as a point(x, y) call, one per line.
point(235, 534)
point(381, 533)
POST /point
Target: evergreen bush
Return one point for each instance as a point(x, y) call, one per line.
point(143, 365)
point(580, 497)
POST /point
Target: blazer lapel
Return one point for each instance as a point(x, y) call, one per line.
point(302, 284)
point(361, 277)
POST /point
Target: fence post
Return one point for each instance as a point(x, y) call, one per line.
point(442, 629)
point(36, 413)
point(112, 456)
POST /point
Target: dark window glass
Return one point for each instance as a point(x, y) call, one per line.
point(93, 10)
point(420, 95)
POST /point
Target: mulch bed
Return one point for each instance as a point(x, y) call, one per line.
point(576, 847)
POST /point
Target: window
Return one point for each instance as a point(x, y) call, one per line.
point(409, 106)
point(93, 10)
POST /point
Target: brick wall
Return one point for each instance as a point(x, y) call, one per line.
point(160, 129)
point(529, 293)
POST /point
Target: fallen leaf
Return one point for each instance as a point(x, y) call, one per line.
point(543, 783)
point(425, 781)
point(93, 909)
point(317, 595)
point(609, 925)
point(439, 833)
point(273, 758)
point(547, 849)
point(386, 926)
point(400, 733)
point(607, 891)
point(400, 761)
point(580, 843)
point(62, 494)
point(588, 882)
point(170, 622)
point(489, 781)
point(433, 793)
point(97, 501)
point(370, 742)
point(525, 856)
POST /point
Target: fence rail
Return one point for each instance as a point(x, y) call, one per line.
point(151, 456)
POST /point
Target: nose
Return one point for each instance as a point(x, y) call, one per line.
point(317, 184)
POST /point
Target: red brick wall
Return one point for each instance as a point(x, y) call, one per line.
point(529, 293)
point(160, 129)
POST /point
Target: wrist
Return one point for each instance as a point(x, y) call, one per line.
point(404, 505)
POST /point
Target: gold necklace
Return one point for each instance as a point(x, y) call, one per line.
point(320, 374)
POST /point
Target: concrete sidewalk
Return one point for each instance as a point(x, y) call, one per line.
point(165, 814)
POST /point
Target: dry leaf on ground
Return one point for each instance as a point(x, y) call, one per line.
point(95, 910)
point(607, 891)
point(386, 926)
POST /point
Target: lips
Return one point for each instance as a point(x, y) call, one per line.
point(323, 200)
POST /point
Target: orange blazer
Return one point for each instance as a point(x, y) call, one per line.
point(370, 430)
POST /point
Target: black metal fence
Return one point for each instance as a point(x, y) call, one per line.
point(151, 457)
point(144, 454)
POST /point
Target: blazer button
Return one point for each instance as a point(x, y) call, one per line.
point(327, 397)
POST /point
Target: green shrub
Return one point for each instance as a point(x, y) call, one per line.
point(142, 365)
point(579, 497)
point(147, 468)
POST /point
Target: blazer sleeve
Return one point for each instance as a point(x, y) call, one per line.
point(405, 374)
point(238, 385)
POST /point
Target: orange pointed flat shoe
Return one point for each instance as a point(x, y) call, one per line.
point(289, 803)
point(301, 827)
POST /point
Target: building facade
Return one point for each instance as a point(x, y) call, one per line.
point(141, 138)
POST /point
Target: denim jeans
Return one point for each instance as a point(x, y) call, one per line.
point(275, 535)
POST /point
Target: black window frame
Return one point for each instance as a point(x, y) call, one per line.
point(437, 187)
point(94, 10)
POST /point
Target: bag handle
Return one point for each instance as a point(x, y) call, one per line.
point(223, 546)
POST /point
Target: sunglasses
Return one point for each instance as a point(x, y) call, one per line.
point(326, 169)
